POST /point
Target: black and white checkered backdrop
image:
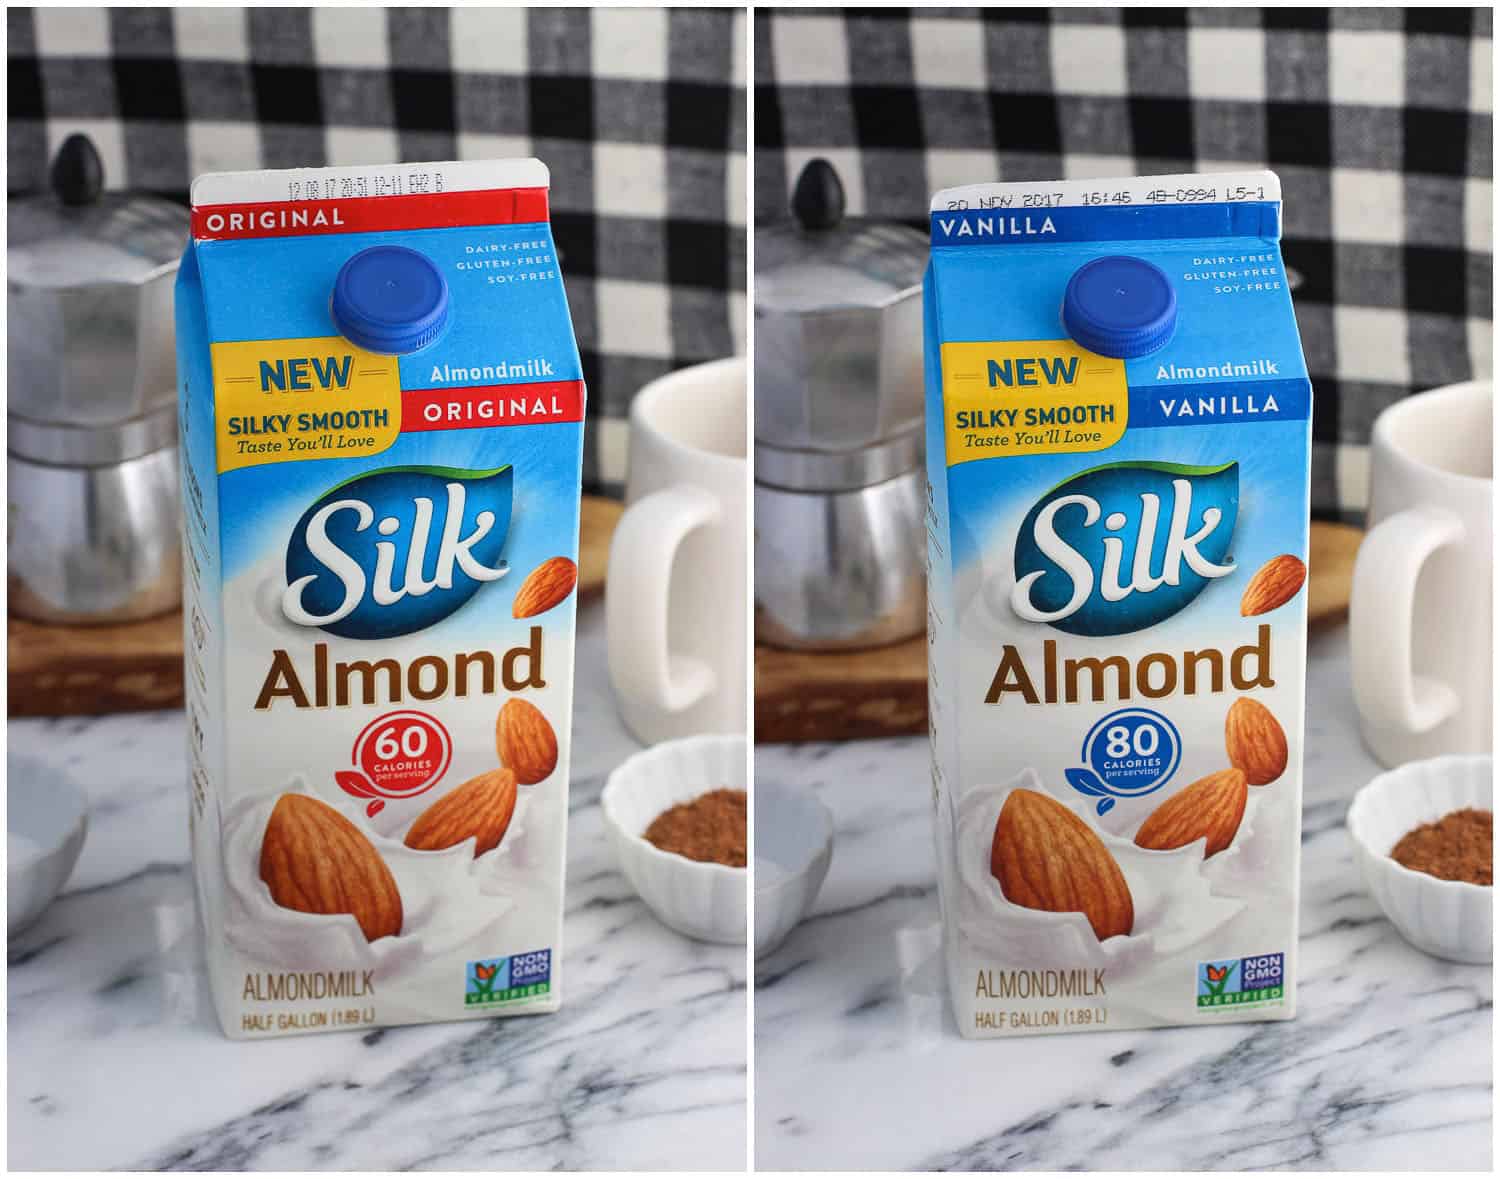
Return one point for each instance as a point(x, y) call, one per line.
point(640, 114)
point(1378, 122)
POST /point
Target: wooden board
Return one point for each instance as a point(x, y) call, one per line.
point(883, 693)
point(1330, 571)
point(88, 670)
point(596, 528)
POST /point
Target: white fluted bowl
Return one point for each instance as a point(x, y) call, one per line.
point(48, 820)
point(1448, 918)
point(704, 901)
point(793, 848)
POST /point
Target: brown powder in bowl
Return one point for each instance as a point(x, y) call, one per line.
point(710, 829)
point(1459, 846)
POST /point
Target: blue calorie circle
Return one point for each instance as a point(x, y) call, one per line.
point(1120, 306)
point(1148, 737)
point(390, 299)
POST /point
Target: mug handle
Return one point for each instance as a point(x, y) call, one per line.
point(1381, 604)
point(641, 555)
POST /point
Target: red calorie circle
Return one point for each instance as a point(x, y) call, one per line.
point(403, 753)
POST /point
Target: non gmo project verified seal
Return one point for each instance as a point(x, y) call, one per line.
point(1242, 982)
point(504, 980)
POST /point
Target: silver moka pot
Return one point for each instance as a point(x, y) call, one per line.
point(839, 481)
point(92, 408)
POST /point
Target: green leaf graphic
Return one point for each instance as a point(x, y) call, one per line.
point(458, 473)
point(1182, 469)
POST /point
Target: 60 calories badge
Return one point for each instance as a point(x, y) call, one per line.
point(1129, 753)
point(396, 756)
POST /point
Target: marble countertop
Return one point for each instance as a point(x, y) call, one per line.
point(859, 1066)
point(116, 1059)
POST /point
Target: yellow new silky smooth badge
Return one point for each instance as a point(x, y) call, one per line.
point(280, 401)
point(1015, 397)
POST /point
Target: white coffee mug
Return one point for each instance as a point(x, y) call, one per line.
point(1420, 615)
point(675, 594)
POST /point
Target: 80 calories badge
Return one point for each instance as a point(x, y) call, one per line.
point(396, 756)
point(1129, 753)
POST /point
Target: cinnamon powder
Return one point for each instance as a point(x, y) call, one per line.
point(1459, 846)
point(710, 829)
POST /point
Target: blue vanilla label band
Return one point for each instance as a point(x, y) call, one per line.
point(1001, 226)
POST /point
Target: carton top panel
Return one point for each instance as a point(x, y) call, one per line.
point(1177, 188)
point(366, 181)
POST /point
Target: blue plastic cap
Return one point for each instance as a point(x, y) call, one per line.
point(390, 299)
point(1120, 306)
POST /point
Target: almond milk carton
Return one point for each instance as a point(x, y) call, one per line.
point(1118, 422)
point(382, 425)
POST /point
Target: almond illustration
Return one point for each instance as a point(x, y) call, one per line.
point(480, 809)
point(1211, 808)
point(525, 742)
point(1255, 741)
point(1046, 857)
point(545, 586)
point(1275, 584)
point(316, 861)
